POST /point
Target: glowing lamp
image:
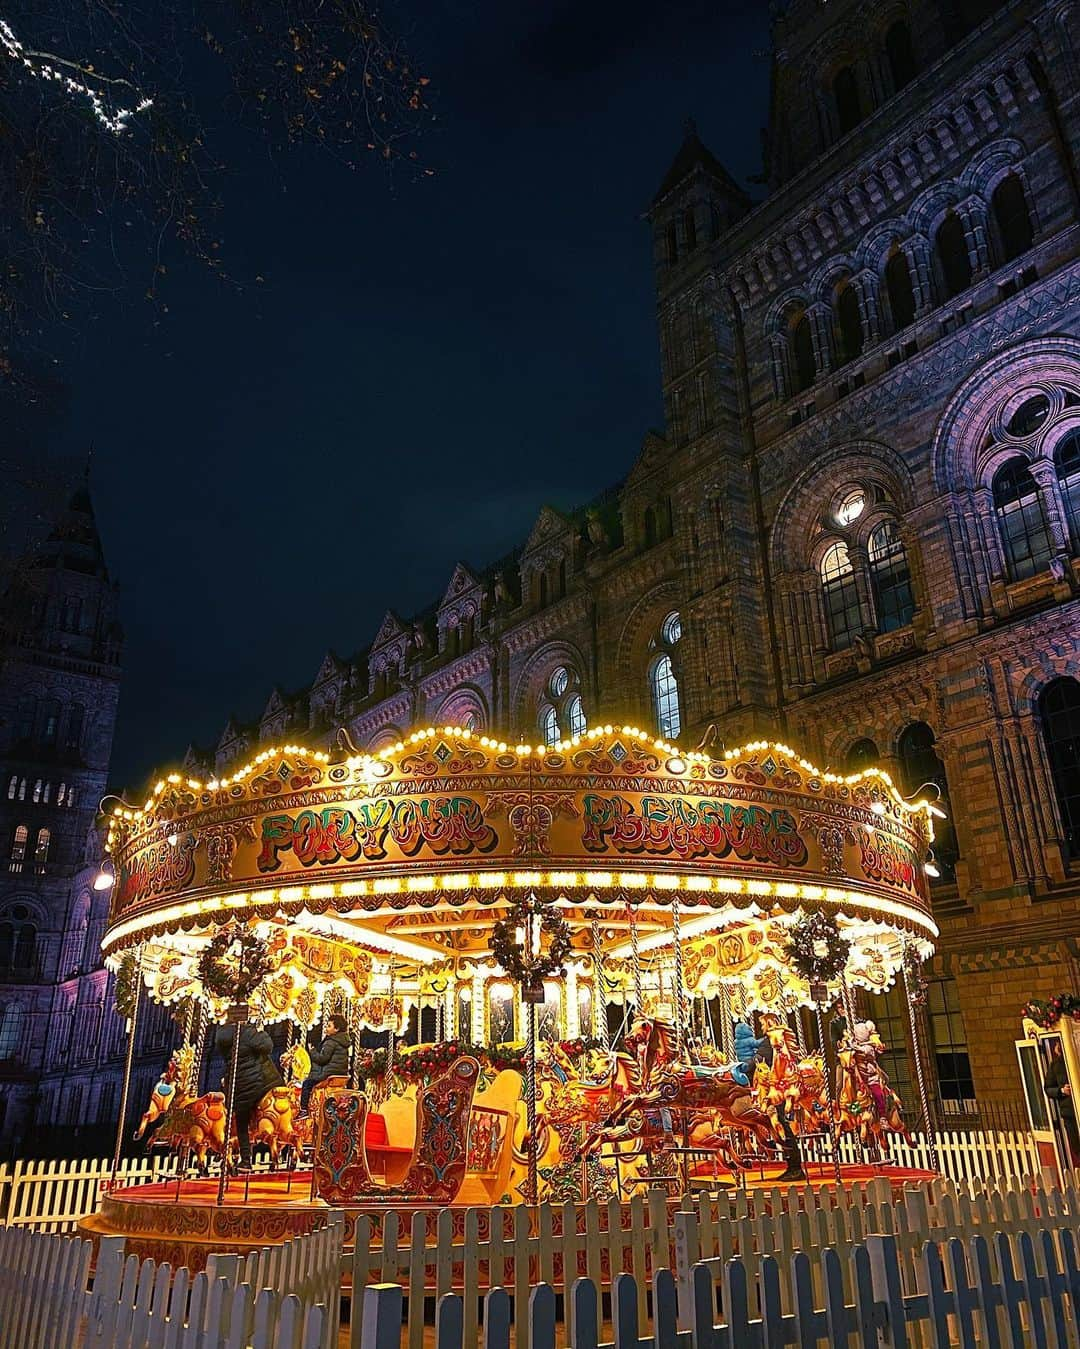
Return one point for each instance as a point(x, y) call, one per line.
point(106, 877)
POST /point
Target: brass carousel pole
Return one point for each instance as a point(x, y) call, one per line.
point(635, 959)
point(849, 1014)
point(819, 992)
point(915, 995)
point(390, 1042)
point(677, 977)
point(132, 1027)
point(600, 1027)
point(236, 1017)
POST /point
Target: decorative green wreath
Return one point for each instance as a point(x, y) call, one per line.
point(506, 946)
point(1047, 1012)
point(126, 989)
point(816, 950)
point(230, 974)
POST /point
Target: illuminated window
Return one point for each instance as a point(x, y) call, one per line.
point(50, 721)
point(13, 787)
point(18, 847)
point(1067, 463)
point(41, 850)
point(575, 716)
point(559, 682)
point(37, 790)
point(890, 578)
point(1059, 711)
point(549, 725)
point(666, 698)
point(841, 596)
point(851, 507)
point(672, 629)
point(1021, 523)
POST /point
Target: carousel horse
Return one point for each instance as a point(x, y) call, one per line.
point(709, 1101)
point(193, 1124)
point(865, 1102)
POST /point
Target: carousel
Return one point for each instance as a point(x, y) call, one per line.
point(562, 972)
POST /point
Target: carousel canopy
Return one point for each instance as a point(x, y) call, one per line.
point(411, 854)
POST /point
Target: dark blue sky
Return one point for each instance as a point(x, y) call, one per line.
point(425, 364)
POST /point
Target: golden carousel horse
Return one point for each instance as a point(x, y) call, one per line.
point(865, 1102)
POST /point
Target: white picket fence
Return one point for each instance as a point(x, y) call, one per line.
point(280, 1297)
point(959, 1154)
point(484, 1249)
point(980, 1292)
point(52, 1196)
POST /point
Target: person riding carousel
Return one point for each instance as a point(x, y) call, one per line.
point(330, 1059)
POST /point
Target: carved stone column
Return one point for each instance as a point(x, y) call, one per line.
point(1046, 479)
point(821, 337)
point(972, 213)
point(917, 251)
point(866, 290)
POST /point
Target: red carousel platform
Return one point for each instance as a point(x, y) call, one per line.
point(182, 1223)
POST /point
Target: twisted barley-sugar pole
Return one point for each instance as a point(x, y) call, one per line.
point(132, 1027)
point(238, 1017)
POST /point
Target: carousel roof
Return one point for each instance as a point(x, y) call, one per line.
point(411, 854)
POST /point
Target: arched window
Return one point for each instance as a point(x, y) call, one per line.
point(41, 850)
point(863, 754)
point(672, 235)
point(18, 847)
point(651, 535)
point(899, 54)
point(542, 590)
point(1059, 711)
point(1012, 217)
point(665, 688)
point(920, 765)
point(7, 945)
point(576, 723)
point(1067, 463)
point(849, 111)
point(899, 288)
point(50, 721)
point(37, 790)
point(549, 724)
point(953, 255)
point(26, 947)
point(1021, 522)
point(470, 722)
point(690, 229)
point(671, 630)
point(890, 578)
point(13, 787)
point(559, 681)
point(841, 596)
point(73, 734)
point(25, 720)
point(803, 364)
point(11, 1024)
point(849, 322)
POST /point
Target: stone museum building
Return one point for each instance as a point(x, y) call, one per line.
point(858, 530)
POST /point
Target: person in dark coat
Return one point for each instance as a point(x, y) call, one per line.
point(256, 1073)
point(331, 1059)
point(1056, 1086)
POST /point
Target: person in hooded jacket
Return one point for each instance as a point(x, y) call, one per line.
point(331, 1059)
point(256, 1073)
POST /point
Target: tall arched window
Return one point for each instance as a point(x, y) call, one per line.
point(576, 724)
point(13, 787)
point(849, 111)
point(26, 948)
point(11, 1024)
point(18, 847)
point(1021, 522)
point(803, 365)
point(862, 754)
point(665, 691)
point(1012, 217)
point(1067, 463)
point(953, 255)
point(899, 53)
point(50, 722)
point(663, 681)
point(841, 596)
point(73, 733)
point(890, 577)
point(899, 288)
point(849, 322)
point(41, 850)
point(549, 725)
point(7, 945)
point(1059, 711)
point(919, 765)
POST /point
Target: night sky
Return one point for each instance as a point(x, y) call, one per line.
point(425, 364)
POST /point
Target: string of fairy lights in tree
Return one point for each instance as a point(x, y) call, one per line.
point(54, 70)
